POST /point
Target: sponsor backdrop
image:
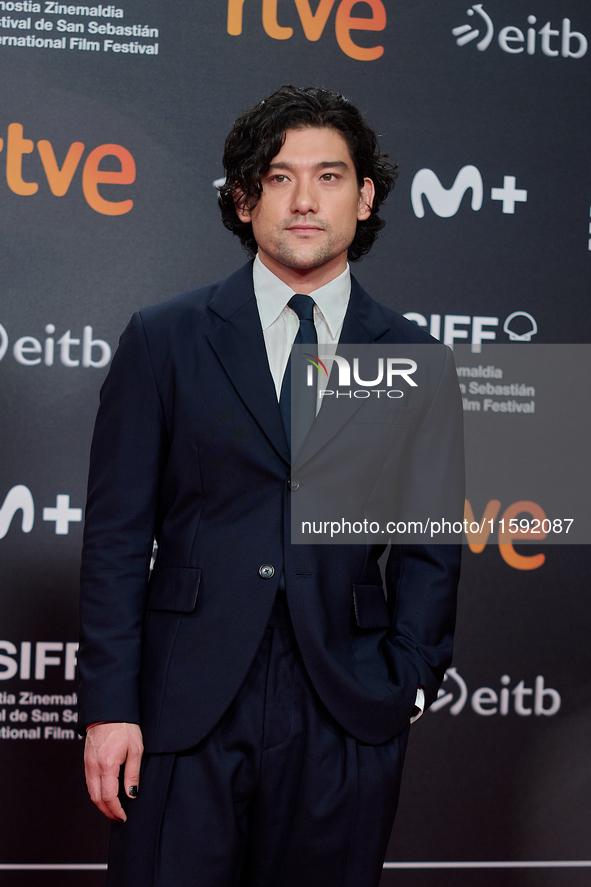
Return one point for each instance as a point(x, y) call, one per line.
point(112, 122)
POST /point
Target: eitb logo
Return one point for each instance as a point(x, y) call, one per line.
point(561, 40)
point(507, 697)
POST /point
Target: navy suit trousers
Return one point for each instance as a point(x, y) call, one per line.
point(277, 795)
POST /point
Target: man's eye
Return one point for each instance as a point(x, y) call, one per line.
point(279, 178)
point(328, 177)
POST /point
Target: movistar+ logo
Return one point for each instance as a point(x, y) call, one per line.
point(445, 202)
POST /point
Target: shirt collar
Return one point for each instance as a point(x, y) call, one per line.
point(272, 295)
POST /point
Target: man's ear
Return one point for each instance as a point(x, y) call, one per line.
point(367, 192)
point(241, 204)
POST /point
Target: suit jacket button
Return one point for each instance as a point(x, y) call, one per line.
point(294, 484)
point(266, 571)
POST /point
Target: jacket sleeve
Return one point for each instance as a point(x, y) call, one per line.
point(422, 579)
point(127, 456)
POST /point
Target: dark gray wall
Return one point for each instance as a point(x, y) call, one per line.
point(481, 785)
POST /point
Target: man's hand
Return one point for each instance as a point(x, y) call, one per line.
point(107, 747)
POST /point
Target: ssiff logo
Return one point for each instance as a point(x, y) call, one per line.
point(520, 326)
point(513, 40)
point(314, 23)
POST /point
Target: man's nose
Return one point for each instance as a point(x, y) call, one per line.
point(304, 199)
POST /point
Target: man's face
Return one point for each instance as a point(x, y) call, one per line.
point(308, 211)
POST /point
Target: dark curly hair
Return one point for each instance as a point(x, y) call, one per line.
point(258, 134)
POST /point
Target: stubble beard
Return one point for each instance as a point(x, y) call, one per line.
point(310, 257)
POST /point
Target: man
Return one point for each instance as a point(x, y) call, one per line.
point(270, 684)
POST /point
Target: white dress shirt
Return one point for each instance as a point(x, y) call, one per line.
point(280, 325)
point(280, 322)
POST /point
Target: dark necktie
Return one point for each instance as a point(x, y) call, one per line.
point(298, 399)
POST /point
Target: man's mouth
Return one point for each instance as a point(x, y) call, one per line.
point(304, 229)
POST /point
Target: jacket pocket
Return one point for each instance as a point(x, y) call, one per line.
point(370, 606)
point(174, 588)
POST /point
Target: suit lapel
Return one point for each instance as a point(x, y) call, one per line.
point(364, 323)
point(239, 344)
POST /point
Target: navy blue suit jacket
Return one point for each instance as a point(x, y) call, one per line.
point(190, 449)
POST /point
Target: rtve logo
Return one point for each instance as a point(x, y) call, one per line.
point(486, 701)
point(553, 42)
point(445, 202)
point(59, 178)
point(478, 532)
point(314, 23)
